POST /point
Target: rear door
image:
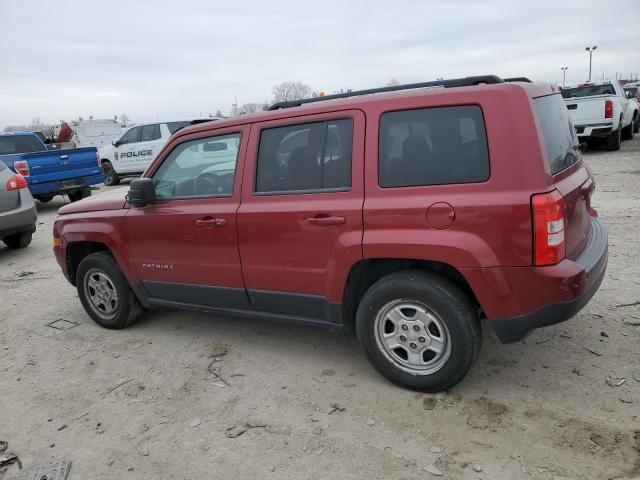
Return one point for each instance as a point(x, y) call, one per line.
point(300, 220)
point(571, 176)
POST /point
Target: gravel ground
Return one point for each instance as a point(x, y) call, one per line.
point(162, 399)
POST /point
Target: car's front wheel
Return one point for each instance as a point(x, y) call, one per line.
point(419, 330)
point(79, 194)
point(111, 178)
point(105, 293)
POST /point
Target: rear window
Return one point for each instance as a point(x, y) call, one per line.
point(559, 136)
point(433, 146)
point(588, 91)
point(17, 144)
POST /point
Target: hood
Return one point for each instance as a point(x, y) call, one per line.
point(112, 200)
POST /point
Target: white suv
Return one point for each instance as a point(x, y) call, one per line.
point(135, 150)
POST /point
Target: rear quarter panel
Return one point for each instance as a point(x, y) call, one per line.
point(492, 223)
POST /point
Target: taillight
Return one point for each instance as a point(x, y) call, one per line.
point(22, 167)
point(548, 228)
point(16, 183)
point(608, 109)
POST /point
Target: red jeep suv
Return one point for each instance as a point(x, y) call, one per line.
point(406, 214)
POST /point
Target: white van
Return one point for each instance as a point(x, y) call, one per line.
point(135, 150)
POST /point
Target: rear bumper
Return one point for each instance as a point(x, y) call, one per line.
point(518, 300)
point(65, 186)
point(21, 219)
point(598, 130)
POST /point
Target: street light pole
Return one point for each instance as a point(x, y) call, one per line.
point(590, 50)
point(564, 75)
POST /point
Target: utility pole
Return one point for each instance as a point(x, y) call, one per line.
point(590, 50)
point(564, 75)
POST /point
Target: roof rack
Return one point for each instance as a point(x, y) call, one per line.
point(453, 82)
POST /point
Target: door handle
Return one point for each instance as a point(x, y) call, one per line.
point(326, 220)
point(210, 222)
point(64, 157)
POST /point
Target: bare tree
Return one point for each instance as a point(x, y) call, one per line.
point(286, 91)
point(124, 119)
point(392, 81)
point(219, 114)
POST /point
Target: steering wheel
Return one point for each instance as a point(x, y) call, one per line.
point(208, 184)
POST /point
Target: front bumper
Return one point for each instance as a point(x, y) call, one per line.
point(592, 263)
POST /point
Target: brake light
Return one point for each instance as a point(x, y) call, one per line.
point(16, 183)
point(608, 109)
point(548, 228)
point(22, 167)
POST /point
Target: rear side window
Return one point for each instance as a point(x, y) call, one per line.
point(175, 126)
point(559, 136)
point(588, 91)
point(150, 132)
point(433, 146)
point(309, 156)
point(17, 144)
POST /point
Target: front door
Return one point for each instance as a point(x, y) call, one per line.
point(184, 245)
point(300, 220)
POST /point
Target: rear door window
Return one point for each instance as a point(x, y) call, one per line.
point(560, 140)
point(433, 146)
point(175, 126)
point(150, 132)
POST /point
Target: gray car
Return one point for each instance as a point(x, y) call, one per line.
point(17, 210)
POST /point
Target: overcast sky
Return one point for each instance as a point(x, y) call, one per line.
point(181, 59)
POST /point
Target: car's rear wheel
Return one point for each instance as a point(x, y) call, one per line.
point(614, 139)
point(111, 177)
point(419, 330)
point(18, 240)
point(105, 293)
point(636, 123)
point(628, 131)
point(79, 194)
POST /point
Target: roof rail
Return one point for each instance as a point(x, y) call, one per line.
point(453, 82)
point(517, 79)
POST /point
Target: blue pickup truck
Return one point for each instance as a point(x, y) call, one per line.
point(49, 170)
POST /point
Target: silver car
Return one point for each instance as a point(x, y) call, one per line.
point(17, 210)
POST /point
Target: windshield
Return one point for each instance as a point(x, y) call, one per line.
point(589, 91)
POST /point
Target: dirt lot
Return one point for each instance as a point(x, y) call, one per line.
point(144, 403)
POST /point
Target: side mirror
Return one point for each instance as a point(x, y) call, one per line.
point(115, 143)
point(141, 192)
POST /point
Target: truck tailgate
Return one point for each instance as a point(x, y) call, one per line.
point(588, 110)
point(52, 166)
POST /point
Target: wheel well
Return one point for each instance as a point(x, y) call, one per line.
point(103, 160)
point(367, 272)
point(77, 251)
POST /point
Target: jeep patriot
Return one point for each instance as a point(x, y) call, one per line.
point(404, 214)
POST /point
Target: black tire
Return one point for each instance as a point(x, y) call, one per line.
point(636, 123)
point(111, 177)
point(18, 240)
point(441, 298)
point(44, 198)
point(627, 132)
point(614, 140)
point(79, 194)
point(127, 309)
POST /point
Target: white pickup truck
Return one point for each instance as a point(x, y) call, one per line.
point(602, 110)
point(131, 154)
